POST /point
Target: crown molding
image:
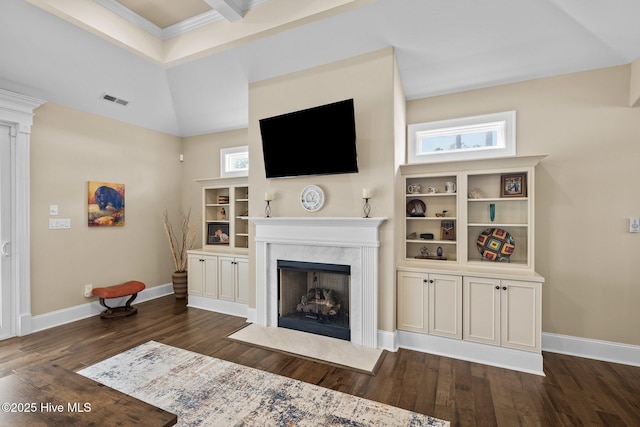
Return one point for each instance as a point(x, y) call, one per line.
point(174, 30)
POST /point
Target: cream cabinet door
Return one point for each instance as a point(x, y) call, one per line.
point(520, 308)
point(195, 277)
point(481, 310)
point(227, 282)
point(210, 265)
point(445, 305)
point(242, 280)
point(412, 301)
point(203, 275)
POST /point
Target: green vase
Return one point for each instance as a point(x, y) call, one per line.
point(179, 284)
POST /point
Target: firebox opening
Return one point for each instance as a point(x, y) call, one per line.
point(314, 298)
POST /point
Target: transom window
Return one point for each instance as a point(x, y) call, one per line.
point(490, 135)
point(234, 161)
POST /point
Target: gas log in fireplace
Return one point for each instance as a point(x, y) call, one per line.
point(314, 298)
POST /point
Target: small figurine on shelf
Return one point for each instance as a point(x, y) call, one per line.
point(441, 214)
point(476, 193)
point(424, 252)
point(223, 214)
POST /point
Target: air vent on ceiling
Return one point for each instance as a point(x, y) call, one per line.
point(114, 99)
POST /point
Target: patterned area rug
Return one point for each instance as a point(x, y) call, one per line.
point(205, 391)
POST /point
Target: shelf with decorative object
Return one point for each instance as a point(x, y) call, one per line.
point(487, 206)
point(431, 217)
point(225, 213)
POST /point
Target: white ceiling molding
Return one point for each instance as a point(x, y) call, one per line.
point(190, 24)
point(163, 34)
point(131, 16)
point(227, 8)
point(223, 9)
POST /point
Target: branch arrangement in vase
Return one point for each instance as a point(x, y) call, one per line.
point(179, 245)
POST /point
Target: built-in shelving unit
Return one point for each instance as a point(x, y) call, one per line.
point(225, 214)
point(478, 192)
point(460, 293)
point(218, 272)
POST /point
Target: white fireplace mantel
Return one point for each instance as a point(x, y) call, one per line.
point(335, 240)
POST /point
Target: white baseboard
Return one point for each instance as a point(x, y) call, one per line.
point(388, 340)
point(501, 357)
point(219, 306)
point(252, 315)
point(82, 311)
point(607, 351)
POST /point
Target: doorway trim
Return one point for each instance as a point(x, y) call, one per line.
point(16, 111)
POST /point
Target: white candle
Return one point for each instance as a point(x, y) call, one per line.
point(268, 197)
point(365, 193)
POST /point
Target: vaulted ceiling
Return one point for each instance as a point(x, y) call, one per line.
point(184, 66)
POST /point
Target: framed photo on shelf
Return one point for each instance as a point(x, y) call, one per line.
point(218, 233)
point(513, 185)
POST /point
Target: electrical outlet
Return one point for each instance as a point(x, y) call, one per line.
point(634, 225)
point(87, 290)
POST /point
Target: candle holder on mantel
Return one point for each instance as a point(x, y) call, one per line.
point(367, 207)
point(268, 197)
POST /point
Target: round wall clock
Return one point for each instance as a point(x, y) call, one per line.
point(312, 198)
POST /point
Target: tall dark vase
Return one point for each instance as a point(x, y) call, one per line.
point(179, 284)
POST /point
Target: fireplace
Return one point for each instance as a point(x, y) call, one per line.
point(351, 242)
point(314, 297)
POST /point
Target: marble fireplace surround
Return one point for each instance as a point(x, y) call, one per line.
point(345, 240)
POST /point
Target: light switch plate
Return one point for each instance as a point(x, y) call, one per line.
point(634, 225)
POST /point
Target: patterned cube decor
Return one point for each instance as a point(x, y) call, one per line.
point(495, 244)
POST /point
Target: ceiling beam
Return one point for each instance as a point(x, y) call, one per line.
point(227, 8)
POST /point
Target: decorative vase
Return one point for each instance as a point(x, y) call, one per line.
point(492, 211)
point(179, 284)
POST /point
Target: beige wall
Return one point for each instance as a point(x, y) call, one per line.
point(586, 191)
point(70, 148)
point(202, 161)
point(369, 80)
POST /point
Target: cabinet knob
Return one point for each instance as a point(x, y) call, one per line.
point(504, 288)
point(430, 281)
point(498, 287)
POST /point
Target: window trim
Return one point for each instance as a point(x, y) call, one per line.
point(507, 127)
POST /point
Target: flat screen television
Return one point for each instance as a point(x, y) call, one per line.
point(315, 141)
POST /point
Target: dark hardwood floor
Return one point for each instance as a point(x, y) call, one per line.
point(575, 391)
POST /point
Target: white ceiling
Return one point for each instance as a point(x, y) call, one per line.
point(442, 46)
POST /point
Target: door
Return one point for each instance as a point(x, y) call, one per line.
point(412, 301)
point(445, 305)
point(242, 280)
point(6, 307)
point(195, 278)
point(481, 313)
point(227, 282)
point(521, 315)
point(210, 264)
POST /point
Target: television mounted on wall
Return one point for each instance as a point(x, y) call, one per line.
point(315, 141)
